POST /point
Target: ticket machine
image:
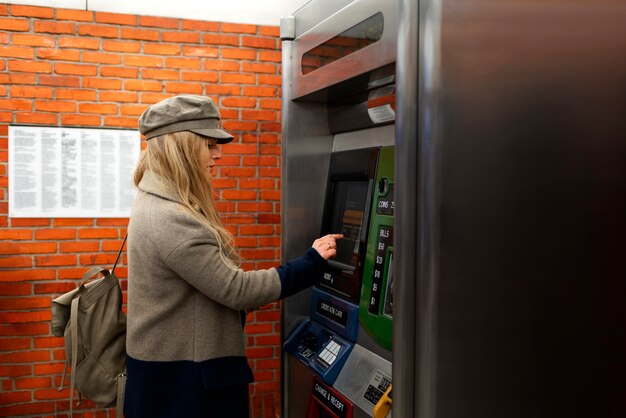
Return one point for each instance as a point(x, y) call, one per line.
point(501, 219)
point(338, 177)
point(351, 305)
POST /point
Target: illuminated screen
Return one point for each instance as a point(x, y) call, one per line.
point(348, 213)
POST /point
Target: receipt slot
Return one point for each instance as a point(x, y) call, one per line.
point(325, 402)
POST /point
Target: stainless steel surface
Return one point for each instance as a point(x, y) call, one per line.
point(313, 12)
point(359, 413)
point(429, 154)
point(287, 28)
point(366, 138)
point(406, 324)
point(285, 387)
point(300, 377)
point(511, 191)
point(521, 227)
point(371, 57)
point(356, 375)
point(306, 156)
point(306, 146)
point(367, 342)
point(286, 125)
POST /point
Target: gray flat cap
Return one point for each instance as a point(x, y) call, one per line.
point(187, 112)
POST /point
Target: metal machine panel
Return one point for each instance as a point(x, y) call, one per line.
point(367, 59)
point(364, 378)
point(313, 12)
point(306, 147)
point(364, 138)
point(298, 379)
point(511, 147)
point(413, 342)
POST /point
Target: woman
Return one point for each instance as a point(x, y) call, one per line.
point(186, 294)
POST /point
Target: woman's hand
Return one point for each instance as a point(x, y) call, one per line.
point(326, 246)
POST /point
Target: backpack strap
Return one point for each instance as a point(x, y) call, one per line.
point(97, 270)
point(121, 390)
point(119, 253)
point(89, 274)
point(121, 378)
point(74, 332)
point(62, 385)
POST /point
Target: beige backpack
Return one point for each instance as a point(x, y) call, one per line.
point(91, 320)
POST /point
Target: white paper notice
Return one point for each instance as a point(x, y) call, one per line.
point(71, 172)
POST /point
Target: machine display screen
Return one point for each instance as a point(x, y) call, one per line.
point(347, 216)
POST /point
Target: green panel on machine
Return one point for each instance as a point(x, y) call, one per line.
point(376, 305)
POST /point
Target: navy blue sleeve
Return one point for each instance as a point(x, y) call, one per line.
point(301, 272)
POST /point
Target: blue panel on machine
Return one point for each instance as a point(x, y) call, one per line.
point(324, 341)
point(334, 313)
point(319, 348)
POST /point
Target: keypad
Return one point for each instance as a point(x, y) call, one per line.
point(330, 352)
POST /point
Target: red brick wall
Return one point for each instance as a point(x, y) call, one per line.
point(61, 67)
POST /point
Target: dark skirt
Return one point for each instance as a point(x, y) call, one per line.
point(185, 389)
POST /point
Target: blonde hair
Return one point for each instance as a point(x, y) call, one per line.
point(175, 158)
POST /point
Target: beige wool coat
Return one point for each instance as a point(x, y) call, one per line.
point(183, 302)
